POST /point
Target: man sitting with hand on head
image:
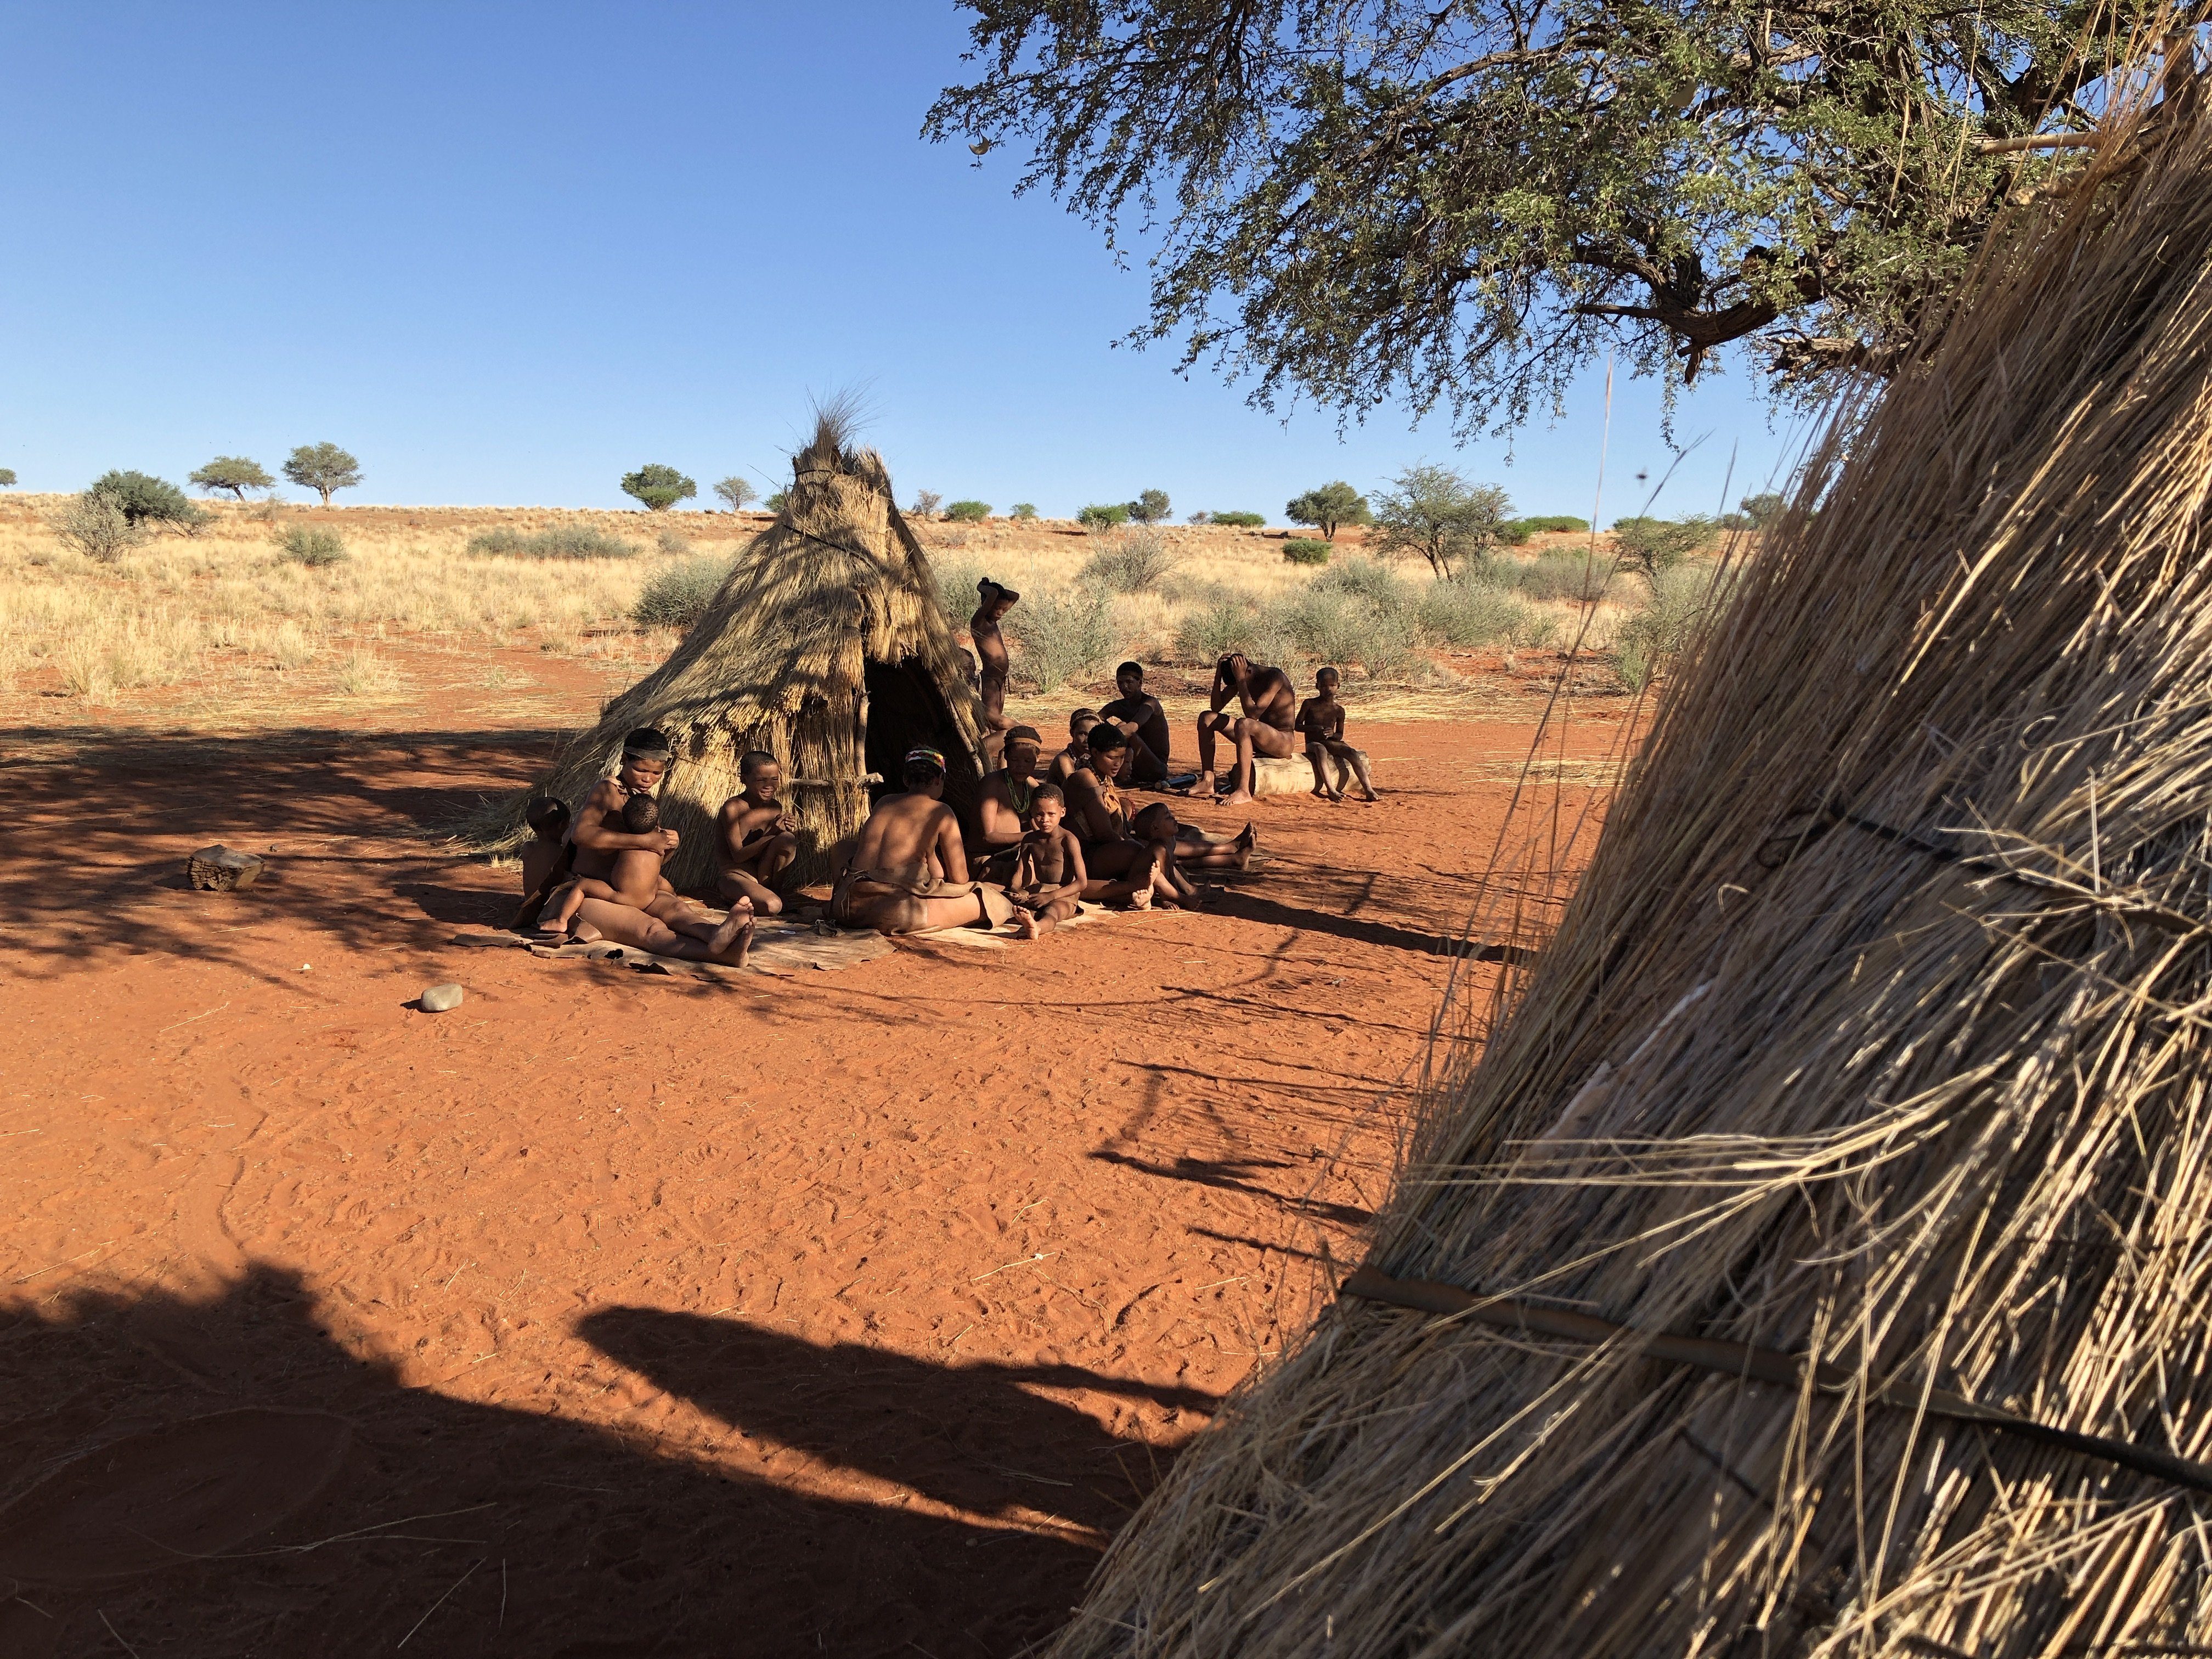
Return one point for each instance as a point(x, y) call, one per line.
point(1265, 726)
point(909, 872)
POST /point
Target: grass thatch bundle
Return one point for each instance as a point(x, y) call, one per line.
point(825, 647)
point(1874, 1036)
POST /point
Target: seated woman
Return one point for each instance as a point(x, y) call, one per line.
point(1120, 868)
point(907, 871)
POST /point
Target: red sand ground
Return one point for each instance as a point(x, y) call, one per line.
point(616, 1315)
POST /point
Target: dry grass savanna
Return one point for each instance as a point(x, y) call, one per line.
point(233, 626)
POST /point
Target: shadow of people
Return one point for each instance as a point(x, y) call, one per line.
point(141, 1502)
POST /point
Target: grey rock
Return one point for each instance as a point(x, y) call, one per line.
point(440, 998)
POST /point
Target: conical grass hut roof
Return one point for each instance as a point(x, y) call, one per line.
point(827, 647)
point(1819, 1260)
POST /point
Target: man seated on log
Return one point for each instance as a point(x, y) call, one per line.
point(1266, 727)
point(909, 872)
point(1143, 721)
point(756, 838)
point(1003, 812)
point(666, 925)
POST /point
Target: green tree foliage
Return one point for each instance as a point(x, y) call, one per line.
point(1099, 516)
point(1762, 509)
point(1328, 508)
point(777, 501)
point(143, 499)
point(1299, 549)
point(1150, 506)
point(1241, 520)
point(1462, 201)
point(322, 468)
point(1024, 510)
point(232, 472)
point(1434, 512)
point(968, 512)
point(736, 493)
point(659, 487)
point(1653, 545)
point(7, 477)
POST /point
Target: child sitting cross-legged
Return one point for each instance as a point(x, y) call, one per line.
point(1049, 874)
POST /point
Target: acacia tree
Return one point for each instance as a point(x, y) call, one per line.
point(736, 492)
point(234, 473)
point(1434, 512)
point(1329, 507)
point(7, 477)
point(659, 487)
point(322, 468)
point(1460, 202)
point(1150, 506)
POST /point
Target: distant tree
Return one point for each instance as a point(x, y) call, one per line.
point(1434, 512)
point(234, 473)
point(7, 477)
point(736, 492)
point(968, 512)
point(1024, 510)
point(1150, 508)
point(143, 499)
point(1100, 516)
point(1762, 509)
point(926, 504)
point(1328, 506)
point(322, 468)
point(1656, 544)
point(1241, 520)
point(659, 487)
point(1199, 517)
point(778, 501)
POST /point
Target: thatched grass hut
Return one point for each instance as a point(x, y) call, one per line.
point(826, 646)
point(1819, 1260)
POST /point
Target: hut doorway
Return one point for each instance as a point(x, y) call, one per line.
point(906, 710)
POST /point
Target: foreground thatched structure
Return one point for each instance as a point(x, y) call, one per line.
point(826, 646)
point(1875, 1036)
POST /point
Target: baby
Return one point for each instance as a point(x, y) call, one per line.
point(1048, 873)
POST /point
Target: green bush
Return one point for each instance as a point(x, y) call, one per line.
point(1371, 581)
point(777, 502)
point(1101, 516)
point(956, 590)
point(1654, 545)
point(1210, 631)
point(1680, 597)
point(1241, 520)
point(1574, 576)
point(659, 487)
point(567, 541)
point(1542, 524)
point(311, 544)
point(1150, 506)
point(1299, 549)
point(1059, 637)
point(1762, 509)
point(143, 499)
point(7, 477)
point(679, 596)
point(1131, 563)
point(1024, 510)
point(1469, 613)
point(1342, 625)
point(968, 512)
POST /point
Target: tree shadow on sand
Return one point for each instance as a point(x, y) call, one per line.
point(143, 1504)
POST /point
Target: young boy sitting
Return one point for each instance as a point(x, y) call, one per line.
point(635, 880)
point(1321, 718)
point(756, 838)
point(545, 860)
point(1157, 828)
point(1049, 874)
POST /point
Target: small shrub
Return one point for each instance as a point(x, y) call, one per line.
point(1563, 577)
point(955, 591)
point(1341, 626)
point(1063, 636)
point(1470, 614)
point(1024, 510)
point(1208, 632)
point(1150, 506)
point(1241, 520)
point(1680, 597)
point(659, 487)
point(669, 542)
point(968, 512)
point(1541, 525)
point(143, 499)
point(561, 542)
point(1099, 516)
point(678, 595)
point(266, 511)
point(1133, 563)
point(96, 527)
point(311, 545)
point(1300, 549)
point(1199, 517)
point(1375, 582)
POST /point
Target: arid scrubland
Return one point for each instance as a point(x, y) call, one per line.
point(254, 619)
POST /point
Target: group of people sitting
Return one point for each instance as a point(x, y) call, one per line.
point(1050, 834)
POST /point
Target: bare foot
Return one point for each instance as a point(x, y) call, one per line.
point(1025, 923)
point(1242, 798)
point(1141, 899)
point(1201, 790)
point(1370, 795)
point(734, 938)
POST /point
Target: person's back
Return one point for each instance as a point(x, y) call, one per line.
point(902, 834)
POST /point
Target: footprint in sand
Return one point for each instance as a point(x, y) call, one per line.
point(193, 1489)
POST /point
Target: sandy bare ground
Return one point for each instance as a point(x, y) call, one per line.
point(613, 1314)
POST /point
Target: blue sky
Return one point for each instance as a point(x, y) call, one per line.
point(506, 253)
